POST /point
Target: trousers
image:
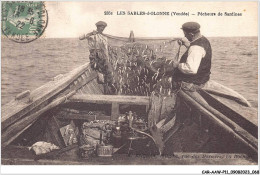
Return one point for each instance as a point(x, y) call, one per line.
point(99, 62)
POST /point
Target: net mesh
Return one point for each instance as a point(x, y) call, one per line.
point(141, 66)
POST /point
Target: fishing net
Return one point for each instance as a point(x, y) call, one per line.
point(141, 66)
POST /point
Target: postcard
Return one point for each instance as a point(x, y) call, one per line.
point(130, 83)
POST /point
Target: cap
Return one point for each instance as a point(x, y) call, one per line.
point(101, 23)
point(190, 26)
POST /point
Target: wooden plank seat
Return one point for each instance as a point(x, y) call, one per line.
point(109, 99)
point(115, 100)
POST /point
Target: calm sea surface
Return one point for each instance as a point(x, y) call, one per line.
point(28, 66)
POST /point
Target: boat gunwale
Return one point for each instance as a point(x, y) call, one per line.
point(64, 83)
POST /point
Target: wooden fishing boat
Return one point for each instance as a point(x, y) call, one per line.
point(31, 114)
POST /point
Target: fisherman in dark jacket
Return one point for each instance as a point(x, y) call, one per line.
point(195, 64)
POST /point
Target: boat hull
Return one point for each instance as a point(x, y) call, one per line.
point(81, 87)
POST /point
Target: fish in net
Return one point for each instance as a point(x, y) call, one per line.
point(143, 66)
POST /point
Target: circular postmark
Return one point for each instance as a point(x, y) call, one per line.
point(23, 21)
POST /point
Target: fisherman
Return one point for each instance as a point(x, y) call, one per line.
point(99, 58)
point(191, 73)
point(195, 64)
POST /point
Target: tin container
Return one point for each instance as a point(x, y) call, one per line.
point(86, 151)
point(104, 150)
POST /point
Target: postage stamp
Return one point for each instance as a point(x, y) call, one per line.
point(23, 21)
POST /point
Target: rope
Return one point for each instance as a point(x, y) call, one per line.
point(178, 53)
point(139, 39)
point(95, 43)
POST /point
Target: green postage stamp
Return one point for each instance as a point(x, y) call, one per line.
point(23, 21)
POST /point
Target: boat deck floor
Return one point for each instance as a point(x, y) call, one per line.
point(20, 155)
point(188, 145)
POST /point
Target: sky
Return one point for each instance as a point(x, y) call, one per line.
point(71, 19)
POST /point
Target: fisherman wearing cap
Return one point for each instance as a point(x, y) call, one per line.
point(98, 48)
point(195, 64)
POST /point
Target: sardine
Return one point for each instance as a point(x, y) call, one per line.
point(169, 91)
point(160, 89)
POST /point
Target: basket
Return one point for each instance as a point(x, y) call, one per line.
point(104, 150)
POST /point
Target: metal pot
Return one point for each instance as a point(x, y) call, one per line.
point(105, 150)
